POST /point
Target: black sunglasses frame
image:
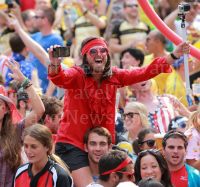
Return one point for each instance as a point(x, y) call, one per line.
point(130, 115)
point(148, 142)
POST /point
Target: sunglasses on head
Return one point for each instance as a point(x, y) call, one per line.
point(149, 150)
point(150, 143)
point(94, 52)
point(132, 5)
point(129, 174)
point(130, 115)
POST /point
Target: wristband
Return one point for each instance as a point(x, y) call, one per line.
point(173, 56)
point(24, 82)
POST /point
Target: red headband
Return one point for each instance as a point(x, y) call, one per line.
point(122, 165)
point(89, 45)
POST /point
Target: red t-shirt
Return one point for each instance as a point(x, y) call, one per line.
point(179, 178)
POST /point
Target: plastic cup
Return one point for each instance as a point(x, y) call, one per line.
point(159, 138)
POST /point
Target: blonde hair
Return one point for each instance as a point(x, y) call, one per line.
point(195, 119)
point(42, 134)
point(143, 112)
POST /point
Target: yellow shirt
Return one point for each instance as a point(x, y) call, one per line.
point(160, 79)
point(175, 86)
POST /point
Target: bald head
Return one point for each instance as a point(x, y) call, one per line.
point(159, 36)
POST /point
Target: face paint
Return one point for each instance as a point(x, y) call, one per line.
point(2, 108)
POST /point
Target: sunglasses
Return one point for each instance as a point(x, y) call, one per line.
point(130, 174)
point(149, 150)
point(132, 5)
point(130, 115)
point(94, 52)
point(150, 143)
point(36, 17)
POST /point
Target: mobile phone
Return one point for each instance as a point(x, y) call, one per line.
point(61, 52)
point(10, 5)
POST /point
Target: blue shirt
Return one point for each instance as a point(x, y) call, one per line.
point(25, 67)
point(45, 42)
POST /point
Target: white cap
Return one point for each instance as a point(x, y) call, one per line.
point(126, 184)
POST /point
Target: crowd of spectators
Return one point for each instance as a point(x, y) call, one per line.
point(91, 118)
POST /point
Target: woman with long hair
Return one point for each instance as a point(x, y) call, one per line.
point(44, 168)
point(145, 140)
point(151, 163)
point(11, 128)
point(193, 134)
point(135, 118)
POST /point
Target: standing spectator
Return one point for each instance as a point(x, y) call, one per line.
point(96, 84)
point(97, 141)
point(44, 20)
point(29, 21)
point(89, 24)
point(193, 134)
point(179, 123)
point(193, 32)
point(174, 147)
point(155, 44)
point(131, 32)
point(19, 53)
point(175, 84)
point(10, 150)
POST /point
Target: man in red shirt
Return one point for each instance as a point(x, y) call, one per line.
point(90, 98)
point(174, 147)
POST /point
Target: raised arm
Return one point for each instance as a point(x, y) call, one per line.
point(33, 46)
point(95, 20)
point(37, 105)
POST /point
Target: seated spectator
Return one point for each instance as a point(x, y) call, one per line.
point(151, 163)
point(145, 140)
point(178, 123)
point(160, 109)
point(44, 168)
point(193, 134)
point(174, 148)
point(149, 182)
point(114, 167)
point(19, 53)
point(10, 157)
point(135, 118)
point(97, 141)
point(13, 87)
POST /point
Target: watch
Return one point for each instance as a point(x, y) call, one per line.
point(173, 56)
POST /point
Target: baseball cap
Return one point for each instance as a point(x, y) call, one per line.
point(22, 95)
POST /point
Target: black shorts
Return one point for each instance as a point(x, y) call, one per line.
point(74, 157)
